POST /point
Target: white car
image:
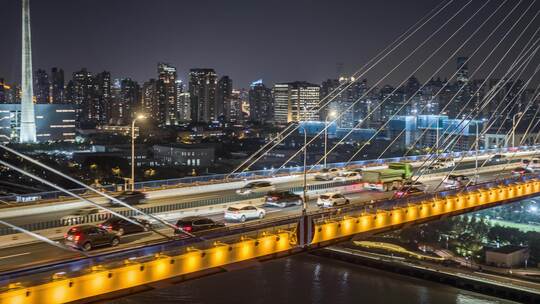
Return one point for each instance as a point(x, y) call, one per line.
point(455, 181)
point(348, 176)
point(256, 187)
point(78, 216)
point(243, 212)
point(442, 163)
point(332, 199)
point(327, 174)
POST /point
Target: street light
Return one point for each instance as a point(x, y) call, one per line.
point(331, 114)
point(139, 117)
point(514, 129)
point(304, 188)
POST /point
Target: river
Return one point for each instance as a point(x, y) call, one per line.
point(304, 279)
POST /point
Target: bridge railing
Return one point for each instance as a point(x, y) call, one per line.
point(160, 209)
point(220, 178)
point(227, 246)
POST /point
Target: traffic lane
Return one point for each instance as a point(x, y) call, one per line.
point(19, 256)
point(56, 215)
point(50, 216)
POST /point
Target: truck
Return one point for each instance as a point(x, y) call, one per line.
point(387, 179)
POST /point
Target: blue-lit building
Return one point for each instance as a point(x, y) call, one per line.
point(315, 127)
point(54, 122)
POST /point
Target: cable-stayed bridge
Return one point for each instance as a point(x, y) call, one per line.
point(501, 35)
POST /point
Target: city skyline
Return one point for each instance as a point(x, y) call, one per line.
point(244, 56)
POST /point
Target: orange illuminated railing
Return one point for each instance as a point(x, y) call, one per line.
point(101, 280)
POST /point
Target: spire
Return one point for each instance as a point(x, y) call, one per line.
point(28, 120)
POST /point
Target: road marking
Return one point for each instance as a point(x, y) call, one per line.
point(14, 255)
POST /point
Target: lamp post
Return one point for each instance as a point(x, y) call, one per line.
point(304, 188)
point(514, 129)
point(331, 114)
point(139, 117)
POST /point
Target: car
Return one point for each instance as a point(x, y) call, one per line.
point(521, 171)
point(282, 199)
point(129, 197)
point(415, 184)
point(408, 192)
point(454, 181)
point(243, 212)
point(256, 187)
point(327, 174)
point(348, 176)
point(442, 163)
point(194, 224)
point(332, 199)
point(78, 216)
point(497, 158)
point(87, 237)
point(122, 226)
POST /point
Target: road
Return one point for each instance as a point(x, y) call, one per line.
point(56, 215)
point(37, 253)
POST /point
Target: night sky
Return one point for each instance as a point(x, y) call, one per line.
point(280, 40)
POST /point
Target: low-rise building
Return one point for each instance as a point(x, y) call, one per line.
point(54, 122)
point(507, 256)
point(191, 155)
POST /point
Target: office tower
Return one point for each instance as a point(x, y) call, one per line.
point(150, 102)
point(184, 107)
point(167, 95)
point(28, 119)
point(125, 99)
point(57, 85)
point(102, 98)
point(223, 98)
point(260, 103)
point(202, 90)
point(296, 101)
point(42, 86)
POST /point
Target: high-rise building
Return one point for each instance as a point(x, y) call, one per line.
point(463, 69)
point(296, 101)
point(28, 118)
point(235, 112)
point(202, 90)
point(260, 103)
point(57, 85)
point(223, 98)
point(184, 107)
point(42, 86)
point(125, 101)
point(150, 102)
point(167, 95)
point(102, 97)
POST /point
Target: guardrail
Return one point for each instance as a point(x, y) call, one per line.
point(159, 209)
point(220, 178)
point(112, 272)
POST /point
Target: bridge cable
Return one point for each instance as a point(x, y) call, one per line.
point(280, 136)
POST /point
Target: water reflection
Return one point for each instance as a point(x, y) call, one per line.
point(307, 279)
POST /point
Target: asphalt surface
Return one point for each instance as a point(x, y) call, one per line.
point(39, 253)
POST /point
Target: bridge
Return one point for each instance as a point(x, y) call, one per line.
point(36, 267)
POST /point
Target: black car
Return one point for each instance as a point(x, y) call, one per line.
point(193, 224)
point(122, 226)
point(282, 199)
point(86, 237)
point(130, 198)
point(408, 192)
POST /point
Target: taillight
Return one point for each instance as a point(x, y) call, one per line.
point(187, 228)
point(77, 237)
